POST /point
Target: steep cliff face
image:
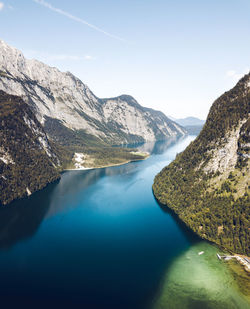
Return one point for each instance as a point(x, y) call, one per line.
point(208, 184)
point(27, 161)
point(135, 120)
point(56, 96)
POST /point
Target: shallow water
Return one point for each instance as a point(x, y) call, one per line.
point(200, 281)
point(98, 239)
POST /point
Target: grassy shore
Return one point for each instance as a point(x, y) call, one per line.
point(104, 159)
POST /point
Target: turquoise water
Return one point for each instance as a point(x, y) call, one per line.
point(98, 239)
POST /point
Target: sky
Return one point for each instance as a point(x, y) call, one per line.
point(176, 56)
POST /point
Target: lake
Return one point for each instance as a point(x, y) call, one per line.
point(98, 239)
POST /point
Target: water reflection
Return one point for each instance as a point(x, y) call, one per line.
point(187, 232)
point(158, 147)
point(66, 194)
point(22, 218)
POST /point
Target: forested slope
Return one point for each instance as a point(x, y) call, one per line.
point(207, 185)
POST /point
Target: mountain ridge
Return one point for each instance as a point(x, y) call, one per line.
point(190, 121)
point(193, 125)
point(64, 97)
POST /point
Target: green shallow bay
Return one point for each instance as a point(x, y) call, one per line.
point(200, 281)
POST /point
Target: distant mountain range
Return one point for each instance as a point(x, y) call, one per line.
point(59, 120)
point(188, 121)
point(208, 184)
point(193, 125)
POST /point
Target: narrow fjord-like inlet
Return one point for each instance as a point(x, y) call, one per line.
point(98, 239)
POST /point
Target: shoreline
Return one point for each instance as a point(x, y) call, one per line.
point(238, 256)
point(104, 166)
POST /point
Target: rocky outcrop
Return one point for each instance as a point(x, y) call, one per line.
point(224, 154)
point(57, 96)
point(136, 120)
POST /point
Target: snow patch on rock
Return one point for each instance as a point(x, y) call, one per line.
point(5, 156)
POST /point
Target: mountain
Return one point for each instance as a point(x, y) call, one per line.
point(207, 185)
point(192, 125)
point(190, 121)
point(63, 104)
point(27, 160)
point(51, 120)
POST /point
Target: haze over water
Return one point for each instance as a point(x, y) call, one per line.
point(98, 239)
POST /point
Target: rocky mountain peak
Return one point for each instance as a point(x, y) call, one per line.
point(11, 59)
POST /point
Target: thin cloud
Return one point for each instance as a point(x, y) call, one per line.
point(77, 19)
point(1, 6)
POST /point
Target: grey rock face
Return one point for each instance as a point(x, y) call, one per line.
point(57, 95)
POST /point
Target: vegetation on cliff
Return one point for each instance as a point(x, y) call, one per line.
point(27, 161)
